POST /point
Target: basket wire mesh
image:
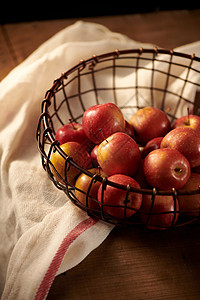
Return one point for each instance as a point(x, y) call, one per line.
point(118, 77)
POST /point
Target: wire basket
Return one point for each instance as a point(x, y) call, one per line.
point(131, 79)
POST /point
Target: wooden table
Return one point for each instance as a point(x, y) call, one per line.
point(131, 263)
point(168, 29)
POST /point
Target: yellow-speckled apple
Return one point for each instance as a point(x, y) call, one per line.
point(119, 154)
point(82, 185)
point(78, 154)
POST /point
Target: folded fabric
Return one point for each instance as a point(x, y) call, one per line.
point(43, 233)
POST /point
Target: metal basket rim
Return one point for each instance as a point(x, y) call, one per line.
point(80, 66)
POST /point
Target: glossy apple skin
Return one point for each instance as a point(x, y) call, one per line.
point(151, 145)
point(105, 117)
point(140, 177)
point(79, 155)
point(185, 140)
point(190, 203)
point(149, 122)
point(73, 132)
point(129, 129)
point(119, 154)
point(191, 121)
point(83, 182)
point(166, 169)
point(163, 214)
point(196, 169)
point(93, 155)
point(115, 196)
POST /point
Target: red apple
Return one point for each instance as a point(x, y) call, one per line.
point(82, 185)
point(73, 132)
point(129, 129)
point(149, 122)
point(102, 120)
point(191, 121)
point(114, 199)
point(190, 204)
point(151, 145)
point(166, 169)
point(93, 155)
point(78, 154)
point(160, 213)
point(140, 177)
point(185, 140)
point(196, 169)
point(119, 154)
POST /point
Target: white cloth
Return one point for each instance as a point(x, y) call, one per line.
point(42, 233)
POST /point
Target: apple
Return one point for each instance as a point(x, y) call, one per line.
point(166, 169)
point(190, 204)
point(129, 129)
point(114, 199)
point(140, 177)
point(148, 123)
point(82, 185)
point(151, 145)
point(161, 213)
point(102, 120)
point(196, 169)
point(73, 132)
point(119, 154)
point(93, 155)
point(191, 121)
point(185, 140)
point(78, 154)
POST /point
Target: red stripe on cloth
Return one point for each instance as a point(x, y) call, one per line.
point(55, 264)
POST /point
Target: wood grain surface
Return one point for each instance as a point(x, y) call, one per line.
point(132, 263)
point(167, 29)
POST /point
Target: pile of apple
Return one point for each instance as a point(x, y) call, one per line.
point(144, 152)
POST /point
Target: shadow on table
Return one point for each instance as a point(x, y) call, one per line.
point(133, 263)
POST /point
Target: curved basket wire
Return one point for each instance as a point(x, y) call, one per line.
point(118, 77)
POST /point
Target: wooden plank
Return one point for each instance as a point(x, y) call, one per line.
point(133, 263)
point(165, 29)
point(28, 36)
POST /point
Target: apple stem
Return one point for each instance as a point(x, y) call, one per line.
point(178, 170)
point(103, 135)
point(188, 114)
point(70, 120)
point(168, 110)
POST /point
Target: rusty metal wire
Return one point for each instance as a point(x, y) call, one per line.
point(72, 93)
